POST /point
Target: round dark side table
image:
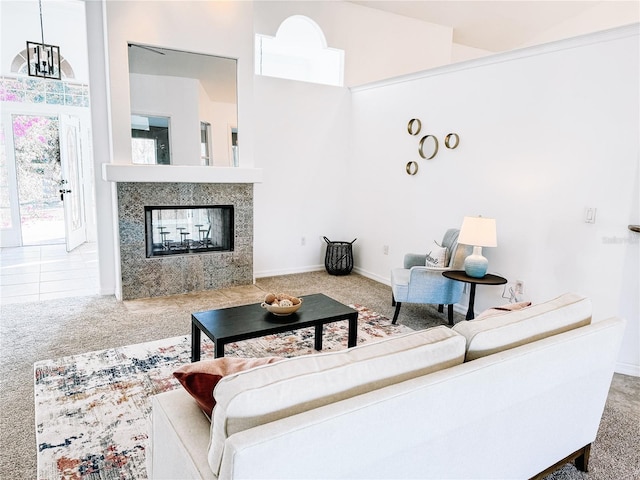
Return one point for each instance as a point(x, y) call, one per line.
point(488, 279)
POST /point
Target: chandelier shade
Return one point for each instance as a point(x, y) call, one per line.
point(43, 60)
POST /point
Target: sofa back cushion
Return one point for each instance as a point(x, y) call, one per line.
point(271, 392)
point(496, 333)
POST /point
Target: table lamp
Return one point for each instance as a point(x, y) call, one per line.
point(478, 232)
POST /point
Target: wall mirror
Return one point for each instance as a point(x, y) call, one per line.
point(189, 90)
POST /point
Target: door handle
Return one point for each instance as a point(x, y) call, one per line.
point(62, 192)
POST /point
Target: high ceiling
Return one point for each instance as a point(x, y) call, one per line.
point(499, 26)
point(494, 25)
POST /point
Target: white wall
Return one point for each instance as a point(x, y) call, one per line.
point(545, 132)
point(301, 146)
point(155, 95)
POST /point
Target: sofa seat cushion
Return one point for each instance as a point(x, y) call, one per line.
point(496, 333)
point(200, 378)
point(271, 392)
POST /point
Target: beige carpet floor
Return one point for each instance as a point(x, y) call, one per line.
point(55, 328)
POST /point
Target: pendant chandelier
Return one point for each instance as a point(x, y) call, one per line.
point(43, 60)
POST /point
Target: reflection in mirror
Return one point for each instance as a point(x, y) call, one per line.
point(191, 90)
point(150, 140)
point(234, 146)
point(205, 144)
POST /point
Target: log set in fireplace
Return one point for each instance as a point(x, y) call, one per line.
point(185, 230)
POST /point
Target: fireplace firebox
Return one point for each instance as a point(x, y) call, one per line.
point(185, 230)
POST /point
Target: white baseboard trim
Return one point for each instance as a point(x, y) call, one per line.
point(287, 271)
point(372, 276)
point(628, 369)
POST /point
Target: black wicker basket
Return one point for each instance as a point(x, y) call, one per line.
point(339, 257)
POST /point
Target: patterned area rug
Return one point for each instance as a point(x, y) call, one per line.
point(92, 410)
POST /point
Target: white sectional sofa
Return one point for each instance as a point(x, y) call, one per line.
point(510, 395)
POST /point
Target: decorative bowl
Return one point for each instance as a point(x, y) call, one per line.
point(281, 311)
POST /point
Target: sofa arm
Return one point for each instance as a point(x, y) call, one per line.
point(414, 260)
point(179, 438)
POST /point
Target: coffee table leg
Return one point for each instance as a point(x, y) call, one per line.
point(353, 331)
point(318, 338)
point(218, 349)
point(195, 343)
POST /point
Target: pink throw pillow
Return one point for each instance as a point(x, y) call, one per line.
point(490, 312)
point(199, 378)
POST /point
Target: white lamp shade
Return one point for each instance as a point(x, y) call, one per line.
point(478, 231)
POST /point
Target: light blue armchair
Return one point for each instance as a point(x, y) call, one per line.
point(417, 283)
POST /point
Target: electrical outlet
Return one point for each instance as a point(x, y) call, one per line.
point(513, 291)
point(303, 240)
point(519, 287)
point(385, 249)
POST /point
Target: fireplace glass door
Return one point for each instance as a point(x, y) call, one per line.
point(185, 230)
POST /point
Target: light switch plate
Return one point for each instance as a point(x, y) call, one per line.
point(590, 215)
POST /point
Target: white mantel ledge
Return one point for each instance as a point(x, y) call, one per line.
point(179, 174)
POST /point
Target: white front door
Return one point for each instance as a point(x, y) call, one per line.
point(71, 185)
point(10, 231)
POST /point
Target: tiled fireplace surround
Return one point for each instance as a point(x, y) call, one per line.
point(152, 277)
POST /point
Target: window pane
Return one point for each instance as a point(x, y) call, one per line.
point(205, 146)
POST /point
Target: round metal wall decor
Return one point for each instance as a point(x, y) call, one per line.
point(421, 147)
point(448, 140)
point(412, 168)
point(414, 126)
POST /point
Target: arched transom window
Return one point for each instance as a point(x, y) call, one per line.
point(299, 51)
point(19, 65)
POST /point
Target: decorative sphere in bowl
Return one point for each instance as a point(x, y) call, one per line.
point(281, 306)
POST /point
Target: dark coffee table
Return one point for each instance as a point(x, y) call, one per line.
point(233, 324)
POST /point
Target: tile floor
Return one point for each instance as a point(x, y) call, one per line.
point(45, 272)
